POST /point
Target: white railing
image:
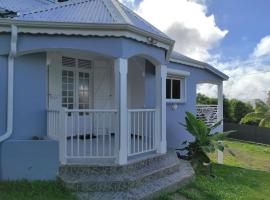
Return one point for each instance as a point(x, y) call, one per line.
point(89, 134)
point(53, 123)
point(141, 131)
point(207, 113)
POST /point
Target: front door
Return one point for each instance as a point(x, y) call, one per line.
point(77, 93)
point(77, 83)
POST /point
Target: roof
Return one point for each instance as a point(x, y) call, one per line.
point(92, 12)
point(23, 5)
point(182, 59)
point(80, 11)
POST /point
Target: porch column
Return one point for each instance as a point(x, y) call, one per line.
point(160, 130)
point(220, 105)
point(120, 70)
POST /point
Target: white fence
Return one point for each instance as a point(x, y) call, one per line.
point(141, 131)
point(53, 123)
point(207, 113)
point(89, 134)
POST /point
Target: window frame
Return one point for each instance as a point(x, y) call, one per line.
point(76, 71)
point(173, 74)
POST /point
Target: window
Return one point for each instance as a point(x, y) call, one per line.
point(76, 83)
point(175, 88)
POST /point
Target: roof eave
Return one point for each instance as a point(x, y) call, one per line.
point(85, 26)
point(202, 66)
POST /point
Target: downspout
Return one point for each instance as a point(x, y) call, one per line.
point(11, 56)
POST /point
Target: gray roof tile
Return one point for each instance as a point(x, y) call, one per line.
point(23, 5)
point(86, 11)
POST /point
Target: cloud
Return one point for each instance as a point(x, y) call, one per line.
point(263, 47)
point(130, 3)
point(249, 80)
point(186, 22)
point(196, 33)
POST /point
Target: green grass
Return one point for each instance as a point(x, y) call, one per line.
point(36, 190)
point(243, 177)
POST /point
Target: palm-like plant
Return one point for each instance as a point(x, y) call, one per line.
point(261, 115)
point(205, 141)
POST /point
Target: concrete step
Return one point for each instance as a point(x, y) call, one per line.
point(138, 179)
point(148, 190)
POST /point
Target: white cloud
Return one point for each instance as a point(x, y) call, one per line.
point(129, 3)
point(249, 80)
point(186, 22)
point(263, 48)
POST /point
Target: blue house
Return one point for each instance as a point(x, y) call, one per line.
point(90, 83)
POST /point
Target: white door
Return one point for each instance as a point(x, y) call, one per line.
point(77, 93)
point(76, 83)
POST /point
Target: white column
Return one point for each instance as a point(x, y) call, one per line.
point(63, 136)
point(120, 70)
point(160, 130)
point(220, 104)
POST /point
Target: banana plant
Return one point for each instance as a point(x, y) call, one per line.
point(261, 115)
point(205, 141)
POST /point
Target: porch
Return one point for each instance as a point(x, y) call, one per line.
point(102, 110)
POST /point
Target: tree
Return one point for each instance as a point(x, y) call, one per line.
point(268, 98)
point(205, 100)
point(239, 109)
point(205, 141)
point(261, 115)
point(227, 110)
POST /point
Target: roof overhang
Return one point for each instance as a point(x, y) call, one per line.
point(201, 65)
point(86, 29)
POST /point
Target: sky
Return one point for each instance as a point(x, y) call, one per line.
point(233, 36)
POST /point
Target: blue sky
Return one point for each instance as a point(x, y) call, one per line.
point(247, 22)
point(232, 35)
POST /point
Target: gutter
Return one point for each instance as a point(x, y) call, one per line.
point(11, 56)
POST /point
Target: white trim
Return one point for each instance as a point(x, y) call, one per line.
point(201, 66)
point(86, 29)
point(160, 124)
point(120, 10)
point(186, 63)
point(177, 72)
point(220, 104)
point(10, 99)
point(121, 70)
point(174, 74)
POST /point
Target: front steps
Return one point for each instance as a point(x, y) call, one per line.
point(139, 179)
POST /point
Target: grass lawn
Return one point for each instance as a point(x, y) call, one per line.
point(243, 177)
point(36, 190)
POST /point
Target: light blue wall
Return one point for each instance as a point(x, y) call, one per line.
point(5, 44)
point(30, 96)
point(3, 93)
point(28, 159)
point(30, 93)
point(176, 134)
point(113, 47)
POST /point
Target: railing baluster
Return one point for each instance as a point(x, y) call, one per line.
point(72, 131)
point(134, 131)
point(91, 133)
point(142, 131)
point(84, 134)
point(78, 134)
point(110, 134)
point(103, 134)
point(97, 135)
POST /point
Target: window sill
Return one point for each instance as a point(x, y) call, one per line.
point(175, 101)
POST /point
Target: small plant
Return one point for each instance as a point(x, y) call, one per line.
point(205, 142)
